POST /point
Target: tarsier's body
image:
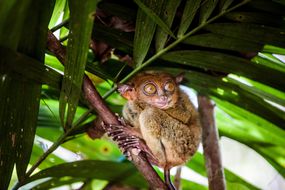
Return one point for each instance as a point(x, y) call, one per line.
point(163, 117)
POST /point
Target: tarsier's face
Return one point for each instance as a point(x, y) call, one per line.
point(157, 89)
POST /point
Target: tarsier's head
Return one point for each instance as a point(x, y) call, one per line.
point(154, 88)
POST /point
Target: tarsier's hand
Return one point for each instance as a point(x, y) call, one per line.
point(128, 139)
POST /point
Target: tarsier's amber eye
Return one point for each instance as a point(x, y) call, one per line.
point(149, 88)
point(169, 86)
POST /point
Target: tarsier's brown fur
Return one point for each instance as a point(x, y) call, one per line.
point(173, 132)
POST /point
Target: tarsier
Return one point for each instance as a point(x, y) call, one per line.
point(162, 118)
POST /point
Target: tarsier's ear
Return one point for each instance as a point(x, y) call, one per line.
point(127, 91)
point(179, 78)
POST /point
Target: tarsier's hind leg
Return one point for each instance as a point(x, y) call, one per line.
point(128, 138)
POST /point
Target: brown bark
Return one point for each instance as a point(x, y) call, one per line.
point(97, 103)
point(211, 144)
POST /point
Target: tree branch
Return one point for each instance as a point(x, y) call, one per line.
point(211, 144)
point(98, 104)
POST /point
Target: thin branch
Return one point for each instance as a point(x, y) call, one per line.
point(210, 143)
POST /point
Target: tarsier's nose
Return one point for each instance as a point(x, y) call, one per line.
point(163, 98)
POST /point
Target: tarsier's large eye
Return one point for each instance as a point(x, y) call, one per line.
point(169, 86)
point(149, 88)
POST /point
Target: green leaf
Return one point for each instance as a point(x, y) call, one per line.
point(12, 22)
point(223, 42)
point(228, 64)
point(18, 114)
point(190, 9)
point(57, 11)
point(225, 4)
point(268, 6)
point(207, 9)
point(145, 28)
point(255, 17)
point(168, 14)
point(247, 127)
point(269, 60)
point(153, 14)
point(36, 21)
point(273, 49)
point(126, 173)
point(24, 66)
point(265, 95)
point(250, 32)
point(56, 182)
point(81, 22)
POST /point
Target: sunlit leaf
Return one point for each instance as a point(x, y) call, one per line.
point(57, 12)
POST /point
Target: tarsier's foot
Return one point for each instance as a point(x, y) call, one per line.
point(128, 139)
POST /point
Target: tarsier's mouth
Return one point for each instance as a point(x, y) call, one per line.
point(162, 104)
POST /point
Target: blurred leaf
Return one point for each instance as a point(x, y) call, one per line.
point(223, 42)
point(250, 32)
point(167, 15)
point(38, 150)
point(190, 9)
point(125, 173)
point(145, 28)
point(81, 22)
point(207, 8)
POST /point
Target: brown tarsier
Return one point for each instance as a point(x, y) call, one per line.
point(163, 118)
